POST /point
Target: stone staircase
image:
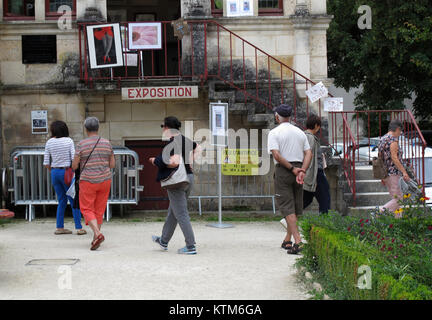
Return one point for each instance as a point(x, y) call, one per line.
point(370, 193)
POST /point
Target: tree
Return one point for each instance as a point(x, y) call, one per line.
point(391, 61)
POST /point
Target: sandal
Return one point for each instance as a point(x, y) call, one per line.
point(286, 245)
point(63, 231)
point(81, 232)
point(97, 242)
point(296, 248)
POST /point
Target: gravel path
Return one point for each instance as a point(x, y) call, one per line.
point(244, 262)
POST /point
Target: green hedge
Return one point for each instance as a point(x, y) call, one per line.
point(338, 255)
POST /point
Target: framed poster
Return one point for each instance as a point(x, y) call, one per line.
point(39, 119)
point(246, 8)
point(145, 35)
point(219, 123)
point(104, 45)
point(233, 9)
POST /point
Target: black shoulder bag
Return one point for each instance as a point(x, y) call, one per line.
point(77, 178)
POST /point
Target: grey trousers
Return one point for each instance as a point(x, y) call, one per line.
point(178, 213)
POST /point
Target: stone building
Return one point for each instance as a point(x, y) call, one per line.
point(53, 73)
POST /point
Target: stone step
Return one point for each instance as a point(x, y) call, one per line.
point(363, 186)
point(368, 198)
point(364, 173)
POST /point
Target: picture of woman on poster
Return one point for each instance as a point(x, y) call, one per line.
point(105, 51)
point(104, 45)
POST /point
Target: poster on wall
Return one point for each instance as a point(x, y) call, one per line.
point(105, 47)
point(39, 119)
point(246, 8)
point(233, 9)
point(236, 8)
point(145, 35)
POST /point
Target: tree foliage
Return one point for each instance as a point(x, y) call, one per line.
point(392, 61)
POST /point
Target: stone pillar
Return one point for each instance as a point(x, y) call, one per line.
point(91, 10)
point(318, 7)
point(302, 24)
point(39, 10)
point(199, 10)
point(1, 11)
point(196, 8)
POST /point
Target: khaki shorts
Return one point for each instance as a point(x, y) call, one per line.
point(288, 193)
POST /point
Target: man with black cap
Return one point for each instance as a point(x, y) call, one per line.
point(292, 156)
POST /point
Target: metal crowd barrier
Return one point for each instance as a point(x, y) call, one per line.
point(30, 182)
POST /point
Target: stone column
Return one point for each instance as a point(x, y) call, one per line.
point(195, 10)
point(91, 10)
point(302, 23)
point(39, 10)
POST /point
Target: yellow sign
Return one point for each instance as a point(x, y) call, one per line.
point(240, 162)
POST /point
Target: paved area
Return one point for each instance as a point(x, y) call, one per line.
point(244, 262)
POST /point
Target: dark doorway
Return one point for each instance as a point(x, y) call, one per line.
point(153, 197)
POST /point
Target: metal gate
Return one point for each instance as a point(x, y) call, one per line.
point(30, 182)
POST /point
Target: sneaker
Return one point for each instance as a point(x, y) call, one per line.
point(187, 250)
point(157, 240)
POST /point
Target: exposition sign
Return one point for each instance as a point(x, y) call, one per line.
point(146, 93)
point(240, 162)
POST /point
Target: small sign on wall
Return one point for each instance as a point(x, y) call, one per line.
point(237, 8)
point(39, 119)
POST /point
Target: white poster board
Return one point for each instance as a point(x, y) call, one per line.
point(219, 123)
point(333, 104)
point(317, 92)
point(39, 119)
point(238, 8)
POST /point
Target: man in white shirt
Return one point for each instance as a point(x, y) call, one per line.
point(292, 156)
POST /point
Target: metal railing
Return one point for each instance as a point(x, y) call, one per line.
point(259, 187)
point(30, 182)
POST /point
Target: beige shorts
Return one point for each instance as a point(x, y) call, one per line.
point(288, 193)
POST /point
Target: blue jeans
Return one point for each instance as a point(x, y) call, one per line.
point(322, 193)
point(60, 187)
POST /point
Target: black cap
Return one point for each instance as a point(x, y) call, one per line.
point(283, 110)
point(171, 122)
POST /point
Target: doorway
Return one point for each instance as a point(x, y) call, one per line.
point(153, 197)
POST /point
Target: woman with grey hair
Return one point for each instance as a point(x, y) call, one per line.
point(391, 154)
point(95, 158)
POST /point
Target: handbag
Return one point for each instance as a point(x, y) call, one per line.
point(177, 179)
point(78, 177)
point(379, 171)
point(69, 173)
